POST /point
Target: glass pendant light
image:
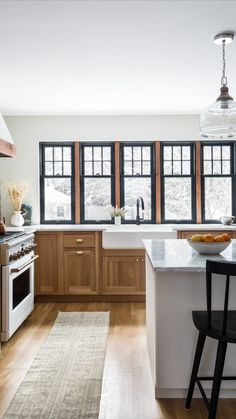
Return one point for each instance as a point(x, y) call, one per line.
point(218, 121)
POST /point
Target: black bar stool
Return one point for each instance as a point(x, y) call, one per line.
point(219, 325)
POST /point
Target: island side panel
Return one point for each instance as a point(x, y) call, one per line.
point(151, 316)
point(172, 335)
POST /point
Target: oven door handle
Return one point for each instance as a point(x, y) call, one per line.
point(26, 264)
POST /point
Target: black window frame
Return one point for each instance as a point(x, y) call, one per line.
point(82, 177)
point(152, 176)
point(192, 176)
point(232, 175)
point(42, 146)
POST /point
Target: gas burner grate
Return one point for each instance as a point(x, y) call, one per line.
point(10, 235)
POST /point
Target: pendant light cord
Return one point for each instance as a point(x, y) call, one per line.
point(223, 78)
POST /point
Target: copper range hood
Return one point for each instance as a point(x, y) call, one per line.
point(7, 146)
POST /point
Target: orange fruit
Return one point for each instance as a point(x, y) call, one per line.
point(197, 238)
point(208, 238)
point(219, 238)
point(226, 237)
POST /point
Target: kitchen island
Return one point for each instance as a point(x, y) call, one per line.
point(175, 286)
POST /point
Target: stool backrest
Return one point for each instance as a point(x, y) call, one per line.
point(227, 269)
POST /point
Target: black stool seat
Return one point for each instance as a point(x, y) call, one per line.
point(200, 319)
point(219, 325)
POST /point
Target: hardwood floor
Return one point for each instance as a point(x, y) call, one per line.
point(127, 388)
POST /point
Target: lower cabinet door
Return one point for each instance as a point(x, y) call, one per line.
point(46, 266)
point(120, 275)
point(79, 272)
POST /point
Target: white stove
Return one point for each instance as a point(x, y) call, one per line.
point(17, 280)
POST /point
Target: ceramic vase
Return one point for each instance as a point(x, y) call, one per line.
point(118, 220)
point(17, 219)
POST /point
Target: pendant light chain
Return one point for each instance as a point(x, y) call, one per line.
point(223, 78)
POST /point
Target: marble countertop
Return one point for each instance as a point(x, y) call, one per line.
point(177, 256)
point(124, 228)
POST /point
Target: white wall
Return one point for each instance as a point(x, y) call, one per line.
point(27, 131)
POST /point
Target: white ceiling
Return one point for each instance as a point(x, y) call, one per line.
point(112, 57)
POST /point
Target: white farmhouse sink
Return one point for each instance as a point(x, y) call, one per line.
point(132, 236)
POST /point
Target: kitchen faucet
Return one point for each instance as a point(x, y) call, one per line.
point(138, 218)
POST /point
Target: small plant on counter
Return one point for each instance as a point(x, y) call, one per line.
point(118, 212)
point(16, 193)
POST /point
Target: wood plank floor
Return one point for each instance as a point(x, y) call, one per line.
point(127, 388)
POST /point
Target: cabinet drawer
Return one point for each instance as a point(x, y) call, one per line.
point(79, 240)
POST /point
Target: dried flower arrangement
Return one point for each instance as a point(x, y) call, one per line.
point(16, 193)
point(118, 212)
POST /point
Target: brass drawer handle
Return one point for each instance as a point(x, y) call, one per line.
point(79, 252)
point(79, 240)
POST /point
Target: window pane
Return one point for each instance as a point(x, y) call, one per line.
point(97, 153)
point(134, 188)
point(176, 168)
point(146, 153)
point(146, 168)
point(106, 168)
point(216, 167)
point(57, 201)
point(207, 168)
point(167, 168)
point(178, 202)
point(97, 168)
point(176, 153)
point(66, 153)
point(48, 169)
point(207, 152)
point(58, 153)
point(186, 168)
point(226, 152)
point(137, 153)
point(106, 153)
point(48, 153)
point(128, 168)
point(226, 167)
point(88, 168)
point(88, 153)
point(186, 153)
point(137, 168)
point(167, 152)
point(58, 168)
point(127, 153)
point(67, 168)
point(216, 152)
point(218, 199)
point(97, 196)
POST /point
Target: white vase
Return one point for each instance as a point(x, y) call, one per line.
point(118, 220)
point(17, 219)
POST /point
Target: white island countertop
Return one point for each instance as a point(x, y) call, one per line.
point(175, 255)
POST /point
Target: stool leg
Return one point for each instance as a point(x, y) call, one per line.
point(196, 363)
point(219, 366)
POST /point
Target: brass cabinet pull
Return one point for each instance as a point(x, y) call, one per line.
point(79, 240)
point(79, 252)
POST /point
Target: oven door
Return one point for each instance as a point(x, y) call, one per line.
point(17, 295)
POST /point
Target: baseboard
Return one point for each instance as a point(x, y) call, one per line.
point(89, 298)
point(181, 393)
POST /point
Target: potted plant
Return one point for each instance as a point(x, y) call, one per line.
point(16, 193)
point(117, 214)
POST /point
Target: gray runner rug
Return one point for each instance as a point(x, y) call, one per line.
point(65, 379)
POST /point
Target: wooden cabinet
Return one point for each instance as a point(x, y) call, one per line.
point(46, 267)
point(81, 263)
point(74, 267)
point(123, 272)
point(80, 272)
point(189, 233)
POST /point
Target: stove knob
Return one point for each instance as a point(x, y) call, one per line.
point(14, 256)
point(27, 250)
point(18, 254)
point(22, 252)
